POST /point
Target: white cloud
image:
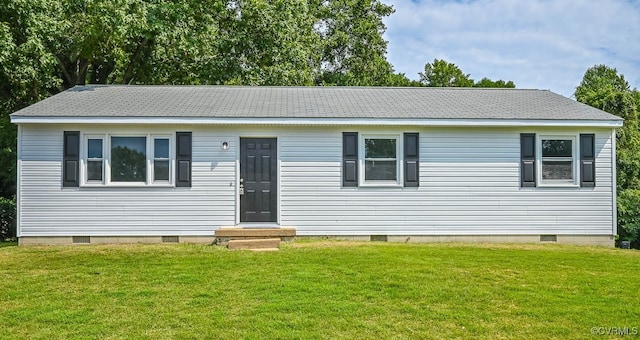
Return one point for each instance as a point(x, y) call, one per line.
point(536, 43)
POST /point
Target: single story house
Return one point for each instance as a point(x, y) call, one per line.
point(107, 164)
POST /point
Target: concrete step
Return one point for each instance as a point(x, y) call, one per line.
point(255, 244)
point(255, 232)
point(225, 235)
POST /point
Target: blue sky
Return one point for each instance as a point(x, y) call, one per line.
point(539, 44)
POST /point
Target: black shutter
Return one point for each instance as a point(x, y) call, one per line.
point(587, 160)
point(528, 159)
point(350, 159)
point(183, 159)
point(71, 159)
point(411, 160)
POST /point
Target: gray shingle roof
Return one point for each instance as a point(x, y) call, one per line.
point(311, 102)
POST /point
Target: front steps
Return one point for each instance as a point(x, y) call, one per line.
point(253, 238)
point(255, 244)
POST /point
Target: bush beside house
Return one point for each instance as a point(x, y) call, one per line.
point(7, 219)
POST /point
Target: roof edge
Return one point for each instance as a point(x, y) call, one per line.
point(316, 121)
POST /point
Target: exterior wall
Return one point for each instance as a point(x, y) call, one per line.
point(469, 185)
point(47, 209)
point(68, 240)
point(586, 240)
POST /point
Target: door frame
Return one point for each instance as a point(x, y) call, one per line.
point(275, 224)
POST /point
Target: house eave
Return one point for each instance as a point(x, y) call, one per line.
point(316, 121)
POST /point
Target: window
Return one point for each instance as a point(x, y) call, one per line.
point(557, 159)
point(377, 160)
point(380, 159)
point(128, 159)
point(161, 160)
point(95, 160)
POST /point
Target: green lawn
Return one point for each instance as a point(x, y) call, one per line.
point(317, 290)
point(7, 244)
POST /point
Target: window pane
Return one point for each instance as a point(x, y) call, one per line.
point(380, 148)
point(94, 170)
point(161, 148)
point(94, 148)
point(161, 170)
point(556, 148)
point(380, 170)
point(128, 159)
point(557, 170)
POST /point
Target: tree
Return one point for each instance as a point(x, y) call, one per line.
point(602, 87)
point(128, 165)
point(598, 83)
point(47, 46)
point(441, 73)
point(401, 80)
point(252, 42)
point(27, 74)
point(270, 43)
point(486, 82)
point(353, 50)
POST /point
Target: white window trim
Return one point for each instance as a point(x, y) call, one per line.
point(85, 159)
point(574, 158)
point(106, 156)
point(152, 158)
point(362, 164)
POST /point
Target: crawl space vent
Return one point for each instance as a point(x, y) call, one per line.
point(81, 239)
point(379, 238)
point(169, 239)
point(548, 238)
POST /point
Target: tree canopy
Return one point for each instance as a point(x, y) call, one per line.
point(486, 82)
point(442, 73)
point(47, 46)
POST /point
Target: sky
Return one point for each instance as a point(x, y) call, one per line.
point(538, 44)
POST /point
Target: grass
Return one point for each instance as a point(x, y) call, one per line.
point(8, 244)
point(317, 290)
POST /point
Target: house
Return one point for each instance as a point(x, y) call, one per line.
point(107, 164)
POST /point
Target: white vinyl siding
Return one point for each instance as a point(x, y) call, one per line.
point(47, 209)
point(469, 185)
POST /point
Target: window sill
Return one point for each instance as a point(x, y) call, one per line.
point(133, 185)
point(381, 185)
point(558, 185)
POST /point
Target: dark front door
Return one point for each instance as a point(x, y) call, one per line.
point(258, 177)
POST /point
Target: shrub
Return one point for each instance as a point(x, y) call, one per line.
point(7, 219)
point(629, 216)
